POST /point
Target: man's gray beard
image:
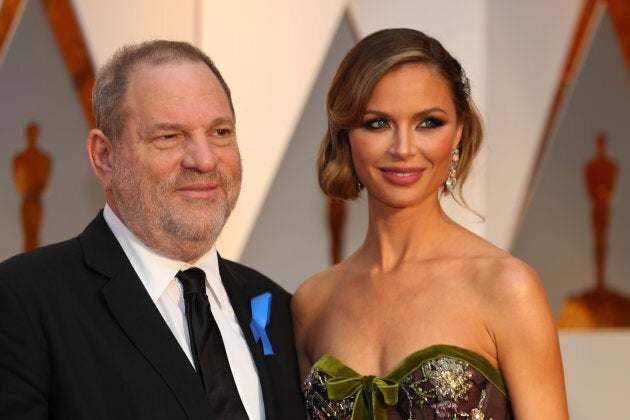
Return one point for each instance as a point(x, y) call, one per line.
point(181, 228)
point(127, 193)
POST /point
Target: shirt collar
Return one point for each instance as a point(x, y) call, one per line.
point(155, 270)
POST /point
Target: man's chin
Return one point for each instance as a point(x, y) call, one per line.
point(198, 210)
point(192, 227)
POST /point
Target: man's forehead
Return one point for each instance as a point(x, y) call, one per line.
point(168, 78)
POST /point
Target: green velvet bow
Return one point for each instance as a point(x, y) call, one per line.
point(373, 394)
point(380, 391)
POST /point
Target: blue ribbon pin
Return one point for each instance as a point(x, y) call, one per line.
point(261, 311)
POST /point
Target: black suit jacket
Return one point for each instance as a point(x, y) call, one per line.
point(80, 338)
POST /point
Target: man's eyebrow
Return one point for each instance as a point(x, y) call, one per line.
point(150, 128)
point(164, 126)
point(223, 120)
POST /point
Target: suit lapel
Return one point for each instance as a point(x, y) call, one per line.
point(241, 291)
point(138, 316)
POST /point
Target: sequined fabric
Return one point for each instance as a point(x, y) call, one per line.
point(440, 382)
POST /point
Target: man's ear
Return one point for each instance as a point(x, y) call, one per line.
point(100, 152)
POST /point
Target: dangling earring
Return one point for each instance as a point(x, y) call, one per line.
point(451, 180)
point(359, 186)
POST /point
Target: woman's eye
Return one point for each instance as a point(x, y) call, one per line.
point(376, 124)
point(431, 123)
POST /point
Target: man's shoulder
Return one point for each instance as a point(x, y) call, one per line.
point(46, 261)
point(247, 273)
point(39, 271)
point(49, 254)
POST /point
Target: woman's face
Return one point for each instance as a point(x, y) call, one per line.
point(402, 150)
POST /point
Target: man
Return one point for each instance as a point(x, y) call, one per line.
point(97, 327)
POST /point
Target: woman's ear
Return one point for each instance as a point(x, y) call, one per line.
point(100, 152)
point(458, 136)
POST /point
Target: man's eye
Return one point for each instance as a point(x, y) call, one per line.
point(166, 141)
point(222, 136)
point(376, 124)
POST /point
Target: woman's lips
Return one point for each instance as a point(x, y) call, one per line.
point(402, 176)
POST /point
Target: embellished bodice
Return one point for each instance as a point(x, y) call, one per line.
point(439, 382)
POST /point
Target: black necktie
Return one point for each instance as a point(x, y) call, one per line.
point(208, 349)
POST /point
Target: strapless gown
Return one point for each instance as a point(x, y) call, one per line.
point(439, 382)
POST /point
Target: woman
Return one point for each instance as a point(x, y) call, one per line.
point(425, 320)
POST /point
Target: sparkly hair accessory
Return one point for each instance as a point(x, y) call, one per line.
point(465, 83)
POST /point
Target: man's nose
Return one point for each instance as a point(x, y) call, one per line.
point(200, 154)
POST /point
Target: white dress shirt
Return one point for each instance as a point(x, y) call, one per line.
point(157, 273)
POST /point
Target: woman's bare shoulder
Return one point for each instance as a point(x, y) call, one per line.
point(492, 262)
point(509, 288)
point(316, 283)
point(497, 274)
point(315, 290)
point(510, 276)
